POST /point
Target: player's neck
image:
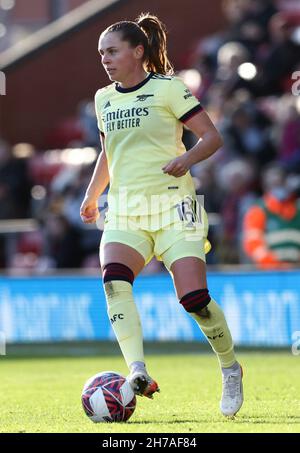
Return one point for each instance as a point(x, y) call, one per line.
point(134, 79)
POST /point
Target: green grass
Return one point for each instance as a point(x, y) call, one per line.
point(43, 395)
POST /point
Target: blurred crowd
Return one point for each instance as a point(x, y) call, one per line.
point(247, 78)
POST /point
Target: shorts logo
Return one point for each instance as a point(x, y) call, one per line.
point(143, 97)
point(188, 211)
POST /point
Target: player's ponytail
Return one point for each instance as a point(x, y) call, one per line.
point(156, 58)
point(149, 31)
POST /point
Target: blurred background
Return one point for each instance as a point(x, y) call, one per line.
point(241, 58)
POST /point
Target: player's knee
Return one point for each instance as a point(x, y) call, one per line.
point(197, 302)
point(114, 275)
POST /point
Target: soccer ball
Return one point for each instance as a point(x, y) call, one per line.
point(108, 397)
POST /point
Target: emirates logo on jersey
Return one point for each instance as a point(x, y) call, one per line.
point(143, 97)
point(124, 118)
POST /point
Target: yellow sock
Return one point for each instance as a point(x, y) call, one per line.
point(214, 326)
point(125, 320)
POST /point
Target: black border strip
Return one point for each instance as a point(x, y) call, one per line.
point(139, 441)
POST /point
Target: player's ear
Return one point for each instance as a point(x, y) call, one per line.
point(139, 52)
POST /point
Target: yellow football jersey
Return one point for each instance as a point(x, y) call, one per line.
point(142, 128)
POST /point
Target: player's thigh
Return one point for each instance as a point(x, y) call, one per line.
point(133, 248)
point(185, 260)
point(189, 274)
point(116, 252)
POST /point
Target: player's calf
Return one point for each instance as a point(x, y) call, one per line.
point(212, 322)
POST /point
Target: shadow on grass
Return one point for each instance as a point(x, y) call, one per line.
point(166, 422)
point(271, 420)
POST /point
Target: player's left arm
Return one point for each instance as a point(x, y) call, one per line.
point(209, 142)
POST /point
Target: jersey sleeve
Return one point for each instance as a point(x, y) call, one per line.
point(98, 112)
point(181, 102)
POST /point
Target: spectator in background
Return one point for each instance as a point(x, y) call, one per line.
point(289, 139)
point(271, 230)
point(248, 20)
point(81, 128)
point(230, 56)
point(7, 208)
point(206, 67)
point(88, 121)
point(280, 59)
point(247, 134)
point(236, 178)
point(14, 185)
point(61, 242)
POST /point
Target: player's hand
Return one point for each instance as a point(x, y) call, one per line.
point(89, 212)
point(177, 167)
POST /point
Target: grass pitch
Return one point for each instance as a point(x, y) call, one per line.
point(43, 395)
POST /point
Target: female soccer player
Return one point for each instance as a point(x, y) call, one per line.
point(152, 202)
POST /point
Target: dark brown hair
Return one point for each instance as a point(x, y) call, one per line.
point(150, 32)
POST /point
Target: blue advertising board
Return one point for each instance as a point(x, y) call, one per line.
point(262, 308)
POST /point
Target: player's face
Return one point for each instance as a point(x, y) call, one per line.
point(118, 58)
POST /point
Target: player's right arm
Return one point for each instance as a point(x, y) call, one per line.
point(89, 208)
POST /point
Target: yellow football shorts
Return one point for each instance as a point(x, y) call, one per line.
point(168, 236)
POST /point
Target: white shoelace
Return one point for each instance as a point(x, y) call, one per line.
point(231, 385)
